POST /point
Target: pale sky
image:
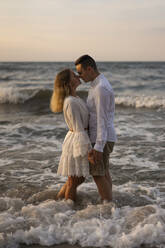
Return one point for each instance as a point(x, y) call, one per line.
point(62, 30)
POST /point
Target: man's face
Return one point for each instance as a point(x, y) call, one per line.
point(83, 73)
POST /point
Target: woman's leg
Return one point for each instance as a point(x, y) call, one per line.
point(71, 188)
point(80, 180)
point(61, 193)
point(70, 192)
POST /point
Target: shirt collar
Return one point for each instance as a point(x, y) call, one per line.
point(96, 80)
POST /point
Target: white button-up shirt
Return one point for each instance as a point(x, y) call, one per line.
point(101, 105)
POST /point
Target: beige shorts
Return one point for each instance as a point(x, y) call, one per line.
point(100, 168)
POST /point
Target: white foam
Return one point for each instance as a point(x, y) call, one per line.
point(129, 129)
point(57, 224)
point(14, 95)
point(130, 160)
point(4, 162)
point(141, 101)
point(54, 222)
point(7, 203)
point(151, 194)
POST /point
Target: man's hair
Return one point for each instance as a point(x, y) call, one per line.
point(86, 61)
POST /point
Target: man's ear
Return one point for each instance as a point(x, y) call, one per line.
point(89, 68)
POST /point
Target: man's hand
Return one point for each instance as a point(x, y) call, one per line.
point(95, 157)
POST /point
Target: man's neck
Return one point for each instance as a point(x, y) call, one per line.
point(95, 75)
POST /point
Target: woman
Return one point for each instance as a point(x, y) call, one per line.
point(74, 159)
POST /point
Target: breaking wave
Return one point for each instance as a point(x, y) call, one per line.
point(141, 101)
point(23, 96)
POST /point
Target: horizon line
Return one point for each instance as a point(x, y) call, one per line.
point(70, 61)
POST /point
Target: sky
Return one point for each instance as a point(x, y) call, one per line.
point(62, 30)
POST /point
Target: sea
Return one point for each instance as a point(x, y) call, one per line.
point(31, 138)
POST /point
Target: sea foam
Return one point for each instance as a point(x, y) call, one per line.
point(140, 101)
point(13, 95)
point(51, 222)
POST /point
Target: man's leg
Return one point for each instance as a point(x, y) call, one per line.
point(109, 179)
point(107, 150)
point(104, 183)
point(103, 187)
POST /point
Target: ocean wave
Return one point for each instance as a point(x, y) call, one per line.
point(24, 96)
point(11, 95)
point(140, 101)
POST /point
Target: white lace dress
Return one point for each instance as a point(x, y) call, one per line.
point(74, 160)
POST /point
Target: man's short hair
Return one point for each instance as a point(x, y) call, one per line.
point(86, 61)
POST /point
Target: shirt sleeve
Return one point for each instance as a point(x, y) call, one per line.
point(102, 100)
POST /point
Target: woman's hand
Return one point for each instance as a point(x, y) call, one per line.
point(90, 157)
point(95, 157)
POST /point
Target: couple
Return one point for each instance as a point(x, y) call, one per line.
point(84, 155)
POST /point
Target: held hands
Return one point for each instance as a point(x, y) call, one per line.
point(94, 156)
point(91, 157)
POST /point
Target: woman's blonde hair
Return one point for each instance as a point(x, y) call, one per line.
point(61, 90)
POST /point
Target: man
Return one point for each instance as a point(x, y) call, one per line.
point(101, 105)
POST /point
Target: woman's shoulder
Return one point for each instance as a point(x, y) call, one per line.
point(70, 101)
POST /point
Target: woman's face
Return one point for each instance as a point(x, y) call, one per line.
point(74, 81)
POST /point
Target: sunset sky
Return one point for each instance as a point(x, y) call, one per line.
point(62, 30)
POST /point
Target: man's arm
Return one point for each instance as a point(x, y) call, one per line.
point(102, 100)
